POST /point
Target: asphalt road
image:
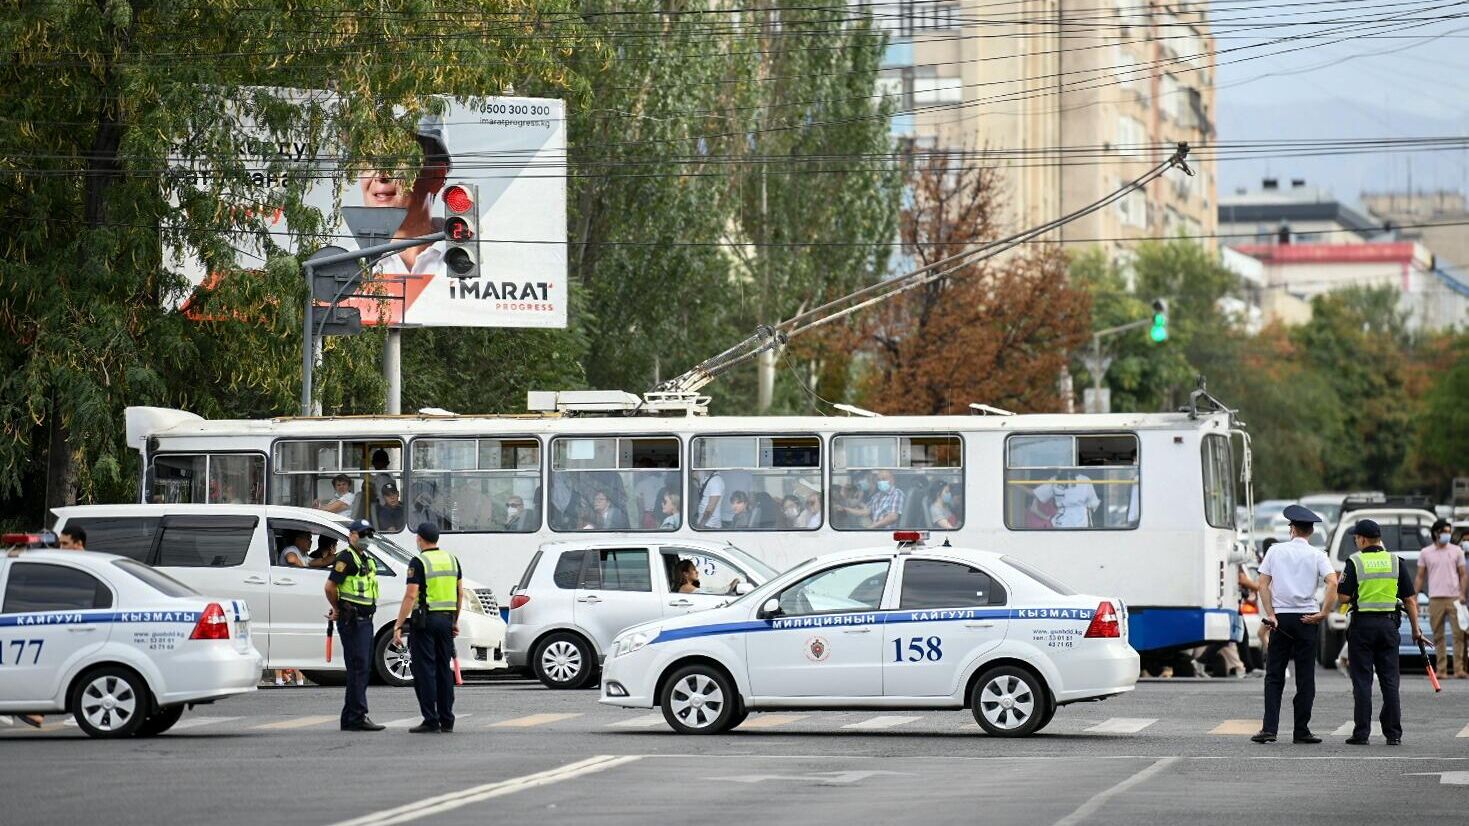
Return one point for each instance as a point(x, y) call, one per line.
point(1173, 751)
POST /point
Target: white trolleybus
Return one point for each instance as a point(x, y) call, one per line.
point(1136, 504)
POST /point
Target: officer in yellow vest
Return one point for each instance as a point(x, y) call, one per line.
point(351, 588)
point(1379, 586)
point(431, 610)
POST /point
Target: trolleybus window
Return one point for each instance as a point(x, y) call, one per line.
point(207, 478)
point(881, 483)
point(476, 485)
point(1218, 481)
point(1071, 482)
point(755, 483)
point(614, 484)
point(354, 478)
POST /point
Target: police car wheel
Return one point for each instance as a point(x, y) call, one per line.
point(110, 702)
point(699, 699)
point(393, 664)
point(564, 661)
point(161, 720)
point(1009, 702)
point(1049, 714)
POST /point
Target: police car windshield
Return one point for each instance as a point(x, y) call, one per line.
point(1043, 578)
point(158, 580)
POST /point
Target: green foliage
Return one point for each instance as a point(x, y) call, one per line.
point(1441, 448)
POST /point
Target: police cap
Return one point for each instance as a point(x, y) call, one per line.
point(361, 527)
point(428, 530)
point(1296, 513)
point(1366, 528)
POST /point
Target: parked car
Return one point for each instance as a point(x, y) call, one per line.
point(575, 597)
point(234, 551)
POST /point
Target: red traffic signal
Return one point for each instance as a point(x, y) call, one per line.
point(461, 230)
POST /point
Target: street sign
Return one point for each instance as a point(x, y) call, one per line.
point(336, 321)
point(373, 225)
point(330, 282)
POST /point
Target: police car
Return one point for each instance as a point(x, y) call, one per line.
point(911, 627)
point(123, 648)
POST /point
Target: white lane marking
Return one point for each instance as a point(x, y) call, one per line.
point(300, 722)
point(1463, 732)
point(410, 722)
point(531, 720)
point(1346, 728)
point(881, 722)
point(1445, 778)
point(454, 800)
point(195, 722)
point(643, 721)
point(1122, 725)
point(770, 720)
point(1236, 727)
point(1097, 800)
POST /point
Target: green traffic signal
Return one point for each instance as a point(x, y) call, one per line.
point(1159, 332)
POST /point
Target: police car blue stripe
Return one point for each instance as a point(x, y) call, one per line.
point(875, 618)
point(96, 617)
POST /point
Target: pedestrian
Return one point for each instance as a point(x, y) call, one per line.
point(1441, 569)
point(1378, 586)
point(431, 607)
point(351, 588)
point(73, 538)
point(1288, 579)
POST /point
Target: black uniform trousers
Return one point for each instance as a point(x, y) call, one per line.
point(355, 630)
point(1291, 641)
point(1372, 644)
point(433, 668)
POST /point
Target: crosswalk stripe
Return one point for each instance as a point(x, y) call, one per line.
point(881, 722)
point(641, 721)
point(1463, 732)
point(532, 720)
point(771, 720)
point(196, 722)
point(410, 722)
point(1346, 728)
point(299, 722)
point(1236, 727)
point(1122, 725)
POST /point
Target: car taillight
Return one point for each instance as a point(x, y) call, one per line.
point(517, 600)
point(213, 625)
point(1105, 624)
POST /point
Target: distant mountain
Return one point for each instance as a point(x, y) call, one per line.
point(1347, 176)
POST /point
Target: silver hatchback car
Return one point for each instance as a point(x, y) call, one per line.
point(575, 597)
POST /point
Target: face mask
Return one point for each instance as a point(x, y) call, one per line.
point(1443, 538)
point(948, 498)
point(884, 485)
point(512, 509)
point(791, 512)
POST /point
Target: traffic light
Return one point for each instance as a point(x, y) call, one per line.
point(1159, 331)
point(461, 230)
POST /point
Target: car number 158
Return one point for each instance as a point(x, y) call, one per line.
point(918, 649)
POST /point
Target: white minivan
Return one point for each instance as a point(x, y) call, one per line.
point(234, 551)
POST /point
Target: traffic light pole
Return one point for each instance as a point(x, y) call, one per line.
point(308, 329)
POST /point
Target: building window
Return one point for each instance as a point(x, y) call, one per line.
point(473, 486)
point(882, 483)
point(351, 478)
point(1071, 482)
point(615, 484)
point(1132, 136)
point(1132, 208)
point(207, 478)
point(755, 483)
point(937, 90)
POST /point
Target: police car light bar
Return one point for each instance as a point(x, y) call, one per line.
point(910, 536)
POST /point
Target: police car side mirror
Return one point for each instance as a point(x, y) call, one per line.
point(743, 587)
point(771, 608)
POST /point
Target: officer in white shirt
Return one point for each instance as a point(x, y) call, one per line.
point(1289, 575)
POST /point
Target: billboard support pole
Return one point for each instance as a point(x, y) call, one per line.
point(393, 370)
point(308, 334)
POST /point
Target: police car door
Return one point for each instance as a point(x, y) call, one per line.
point(51, 615)
point(948, 614)
point(826, 638)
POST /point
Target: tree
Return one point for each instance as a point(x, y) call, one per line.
point(996, 332)
point(102, 100)
point(1441, 437)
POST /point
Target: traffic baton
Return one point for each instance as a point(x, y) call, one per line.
point(1432, 674)
point(459, 678)
point(328, 640)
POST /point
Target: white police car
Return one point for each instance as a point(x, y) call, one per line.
point(907, 628)
point(117, 644)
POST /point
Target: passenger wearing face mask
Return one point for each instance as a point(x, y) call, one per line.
point(941, 508)
point(790, 513)
point(516, 519)
point(886, 504)
point(1441, 569)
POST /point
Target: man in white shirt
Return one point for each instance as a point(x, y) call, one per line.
point(713, 509)
point(1289, 575)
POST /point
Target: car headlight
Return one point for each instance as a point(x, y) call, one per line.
point(628, 643)
point(469, 602)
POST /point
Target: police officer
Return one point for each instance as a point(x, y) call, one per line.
point(1378, 586)
point(351, 588)
point(432, 601)
point(1289, 575)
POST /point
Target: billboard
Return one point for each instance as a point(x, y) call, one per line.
point(514, 150)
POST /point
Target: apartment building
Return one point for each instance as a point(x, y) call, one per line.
point(1071, 98)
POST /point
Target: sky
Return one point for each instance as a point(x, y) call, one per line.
point(1405, 85)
